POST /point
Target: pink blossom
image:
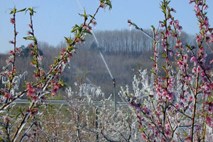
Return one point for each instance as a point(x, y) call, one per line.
point(143, 136)
point(209, 121)
point(191, 99)
point(7, 95)
point(177, 25)
point(177, 106)
point(193, 59)
point(188, 139)
point(167, 33)
point(203, 74)
point(210, 106)
point(178, 44)
point(180, 63)
point(170, 96)
point(185, 58)
point(211, 61)
point(194, 70)
point(171, 22)
point(188, 78)
point(17, 50)
point(56, 87)
point(30, 90)
point(199, 69)
point(12, 52)
point(176, 22)
point(34, 97)
point(12, 20)
point(205, 7)
point(206, 22)
point(198, 38)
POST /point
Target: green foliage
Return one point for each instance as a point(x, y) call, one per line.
point(32, 38)
point(14, 10)
point(31, 11)
point(84, 15)
point(107, 2)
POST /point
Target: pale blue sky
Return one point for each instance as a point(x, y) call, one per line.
point(54, 18)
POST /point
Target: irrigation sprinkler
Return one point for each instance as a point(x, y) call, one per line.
point(96, 123)
point(108, 69)
point(102, 58)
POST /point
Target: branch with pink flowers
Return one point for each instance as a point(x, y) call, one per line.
point(181, 92)
point(46, 82)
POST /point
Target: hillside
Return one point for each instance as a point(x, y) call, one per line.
point(124, 51)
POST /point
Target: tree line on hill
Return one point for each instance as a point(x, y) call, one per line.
point(125, 52)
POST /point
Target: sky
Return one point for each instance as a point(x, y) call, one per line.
point(55, 18)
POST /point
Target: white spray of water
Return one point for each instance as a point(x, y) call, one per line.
point(79, 5)
point(96, 41)
point(93, 34)
point(146, 34)
point(102, 57)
